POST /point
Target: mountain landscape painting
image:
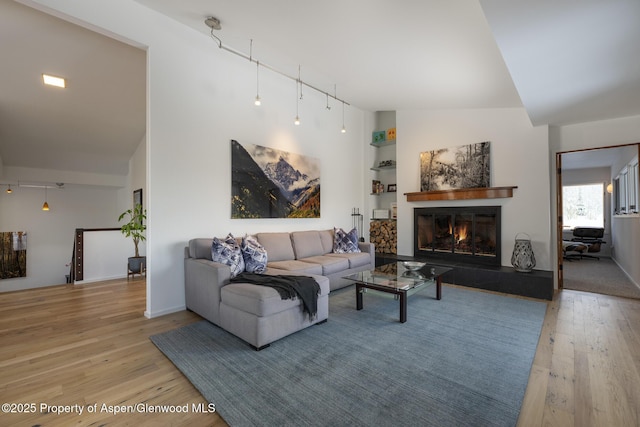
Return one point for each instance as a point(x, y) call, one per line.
point(270, 183)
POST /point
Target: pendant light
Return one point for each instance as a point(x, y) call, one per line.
point(344, 129)
point(297, 120)
point(45, 206)
point(257, 102)
point(9, 190)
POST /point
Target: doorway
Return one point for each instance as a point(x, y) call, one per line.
point(584, 187)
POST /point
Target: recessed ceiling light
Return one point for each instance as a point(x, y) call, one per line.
point(53, 81)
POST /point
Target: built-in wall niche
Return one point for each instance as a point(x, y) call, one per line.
point(625, 189)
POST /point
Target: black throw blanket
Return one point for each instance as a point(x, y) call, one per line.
point(288, 286)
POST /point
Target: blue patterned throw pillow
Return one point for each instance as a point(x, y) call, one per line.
point(345, 243)
point(254, 254)
point(228, 252)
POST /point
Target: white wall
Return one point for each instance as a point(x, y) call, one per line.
point(605, 133)
point(199, 98)
point(519, 157)
point(51, 234)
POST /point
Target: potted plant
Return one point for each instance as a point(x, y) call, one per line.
point(135, 228)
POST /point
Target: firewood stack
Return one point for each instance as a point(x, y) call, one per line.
point(384, 235)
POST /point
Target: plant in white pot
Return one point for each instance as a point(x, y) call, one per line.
point(135, 228)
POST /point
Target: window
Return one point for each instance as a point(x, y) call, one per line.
point(625, 187)
point(632, 187)
point(583, 205)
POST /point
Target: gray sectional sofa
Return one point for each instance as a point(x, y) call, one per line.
point(257, 314)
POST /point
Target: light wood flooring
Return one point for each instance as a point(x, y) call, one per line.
point(88, 344)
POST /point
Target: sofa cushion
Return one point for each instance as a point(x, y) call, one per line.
point(296, 266)
point(254, 254)
point(255, 299)
point(306, 244)
point(262, 300)
point(228, 252)
point(355, 259)
point(345, 243)
point(326, 237)
point(278, 246)
point(329, 264)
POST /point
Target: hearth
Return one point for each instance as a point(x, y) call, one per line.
point(469, 234)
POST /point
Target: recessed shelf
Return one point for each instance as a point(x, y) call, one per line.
point(383, 143)
point(382, 168)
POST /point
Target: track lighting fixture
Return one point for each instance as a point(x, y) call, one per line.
point(214, 24)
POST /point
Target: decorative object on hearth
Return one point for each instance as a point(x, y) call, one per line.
point(523, 259)
point(466, 166)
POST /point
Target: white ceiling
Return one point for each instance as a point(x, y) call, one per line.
point(565, 62)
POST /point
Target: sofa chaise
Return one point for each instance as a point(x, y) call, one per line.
point(257, 314)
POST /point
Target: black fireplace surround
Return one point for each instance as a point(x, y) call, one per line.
point(468, 240)
point(469, 234)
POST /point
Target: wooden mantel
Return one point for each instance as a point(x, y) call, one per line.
point(461, 194)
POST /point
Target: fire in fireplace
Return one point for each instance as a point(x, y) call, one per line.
point(458, 234)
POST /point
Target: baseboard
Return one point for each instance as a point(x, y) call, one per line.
point(152, 314)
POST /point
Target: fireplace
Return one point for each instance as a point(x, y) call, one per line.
point(469, 234)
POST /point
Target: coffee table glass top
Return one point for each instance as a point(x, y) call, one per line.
point(396, 276)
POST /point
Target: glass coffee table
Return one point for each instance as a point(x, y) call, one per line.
point(399, 281)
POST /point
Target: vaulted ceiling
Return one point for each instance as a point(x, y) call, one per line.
point(564, 62)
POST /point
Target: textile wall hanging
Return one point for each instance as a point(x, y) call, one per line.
point(270, 183)
point(13, 254)
point(466, 166)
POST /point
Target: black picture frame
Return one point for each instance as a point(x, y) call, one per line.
point(137, 197)
point(391, 188)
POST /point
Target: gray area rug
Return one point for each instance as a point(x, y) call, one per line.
point(463, 360)
point(601, 276)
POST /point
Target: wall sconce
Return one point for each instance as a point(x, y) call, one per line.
point(610, 188)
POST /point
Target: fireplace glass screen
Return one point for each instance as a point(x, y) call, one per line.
point(470, 234)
